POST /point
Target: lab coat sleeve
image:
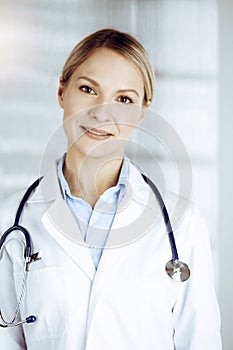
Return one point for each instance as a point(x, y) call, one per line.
point(196, 313)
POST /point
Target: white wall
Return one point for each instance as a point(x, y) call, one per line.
point(225, 166)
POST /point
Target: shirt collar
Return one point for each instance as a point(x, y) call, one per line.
point(121, 184)
point(61, 178)
point(49, 188)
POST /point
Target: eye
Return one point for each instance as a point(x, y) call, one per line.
point(125, 99)
point(87, 89)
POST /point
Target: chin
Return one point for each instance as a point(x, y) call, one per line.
point(108, 149)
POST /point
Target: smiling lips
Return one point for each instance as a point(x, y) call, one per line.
point(96, 133)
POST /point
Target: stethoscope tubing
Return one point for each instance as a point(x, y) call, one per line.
point(28, 247)
point(27, 255)
point(165, 217)
point(16, 226)
point(25, 198)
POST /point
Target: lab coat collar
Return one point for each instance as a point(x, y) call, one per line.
point(49, 188)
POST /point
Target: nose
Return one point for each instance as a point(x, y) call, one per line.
point(102, 113)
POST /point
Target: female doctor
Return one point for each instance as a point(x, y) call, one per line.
point(99, 280)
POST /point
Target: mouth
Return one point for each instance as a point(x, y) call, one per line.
point(96, 133)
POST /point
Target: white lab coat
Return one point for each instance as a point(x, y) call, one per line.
point(129, 303)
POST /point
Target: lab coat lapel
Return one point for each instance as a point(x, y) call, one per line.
point(135, 217)
point(60, 223)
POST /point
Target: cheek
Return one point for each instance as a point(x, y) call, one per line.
point(125, 130)
point(70, 107)
point(72, 103)
point(71, 122)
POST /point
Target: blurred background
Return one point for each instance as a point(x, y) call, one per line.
point(190, 45)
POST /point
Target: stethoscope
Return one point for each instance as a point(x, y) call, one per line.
point(175, 269)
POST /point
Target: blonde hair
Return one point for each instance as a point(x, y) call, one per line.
point(124, 44)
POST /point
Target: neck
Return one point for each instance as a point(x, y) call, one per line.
point(89, 177)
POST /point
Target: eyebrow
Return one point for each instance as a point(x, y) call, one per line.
point(129, 90)
point(90, 80)
point(95, 83)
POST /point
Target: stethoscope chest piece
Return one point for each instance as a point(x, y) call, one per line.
point(178, 270)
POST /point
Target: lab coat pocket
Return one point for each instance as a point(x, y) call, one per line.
point(45, 298)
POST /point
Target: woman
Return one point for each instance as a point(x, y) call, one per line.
point(98, 285)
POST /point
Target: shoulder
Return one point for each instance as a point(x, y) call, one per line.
point(185, 216)
point(46, 191)
point(187, 220)
point(8, 208)
point(176, 205)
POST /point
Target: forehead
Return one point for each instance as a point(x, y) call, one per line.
point(106, 63)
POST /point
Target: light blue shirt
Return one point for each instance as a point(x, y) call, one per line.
point(95, 224)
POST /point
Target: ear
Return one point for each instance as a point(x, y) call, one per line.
point(144, 110)
point(60, 92)
point(147, 105)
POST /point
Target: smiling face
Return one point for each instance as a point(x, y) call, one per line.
point(102, 103)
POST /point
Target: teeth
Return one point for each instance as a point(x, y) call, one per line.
point(99, 133)
point(96, 132)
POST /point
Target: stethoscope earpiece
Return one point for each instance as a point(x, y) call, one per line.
point(178, 270)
